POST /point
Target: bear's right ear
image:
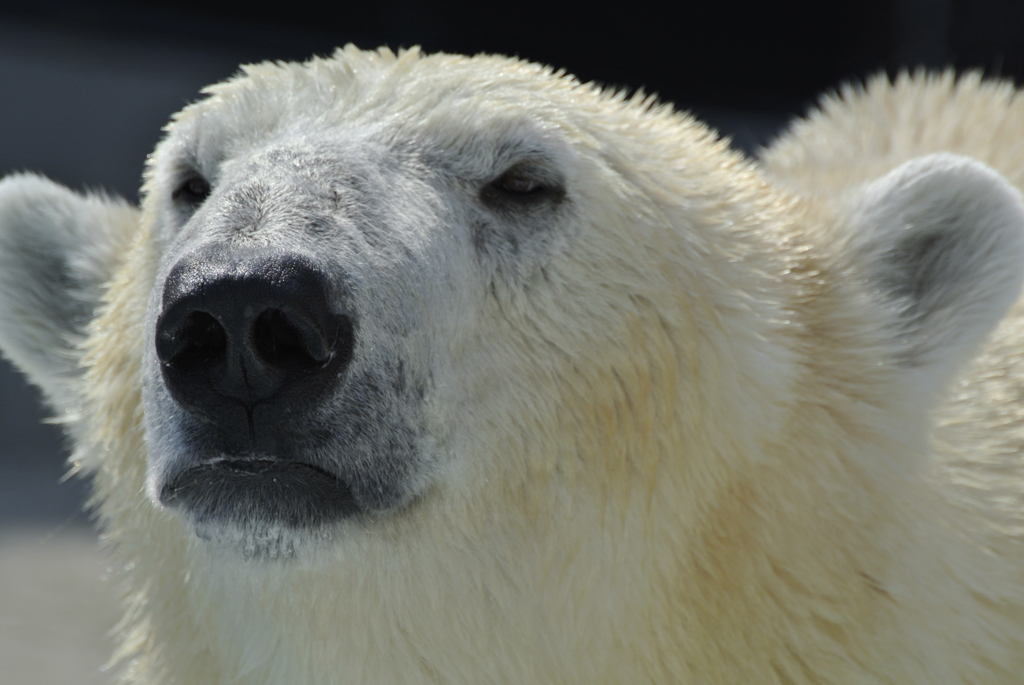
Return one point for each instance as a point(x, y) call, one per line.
point(941, 240)
point(57, 249)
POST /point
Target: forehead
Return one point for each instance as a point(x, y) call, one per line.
point(444, 100)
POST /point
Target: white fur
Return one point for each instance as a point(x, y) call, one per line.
point(707, 422)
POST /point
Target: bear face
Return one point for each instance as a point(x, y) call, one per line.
point(390, 229)
point(368, 240)
point(438, 369)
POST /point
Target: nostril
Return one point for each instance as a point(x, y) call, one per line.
point(293, 339)
point(196, 342)
point(281, 342)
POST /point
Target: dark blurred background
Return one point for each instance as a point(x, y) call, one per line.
point(85, 88)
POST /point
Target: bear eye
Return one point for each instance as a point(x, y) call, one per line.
point(522, 184)
point(192, 191)
point(516, 182)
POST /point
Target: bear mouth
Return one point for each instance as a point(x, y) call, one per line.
point(256, 493)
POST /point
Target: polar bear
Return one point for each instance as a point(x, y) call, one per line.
point(430, 369)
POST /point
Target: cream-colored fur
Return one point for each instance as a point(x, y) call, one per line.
point(720, 422)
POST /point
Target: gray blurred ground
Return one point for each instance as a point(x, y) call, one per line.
point(85, 110)
point(57, 607)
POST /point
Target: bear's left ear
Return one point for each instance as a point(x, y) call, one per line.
point(57, 250)
point(941, 238)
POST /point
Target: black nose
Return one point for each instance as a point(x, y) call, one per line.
point(249, 337)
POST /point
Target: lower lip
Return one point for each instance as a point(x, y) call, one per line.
point(258, 492)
